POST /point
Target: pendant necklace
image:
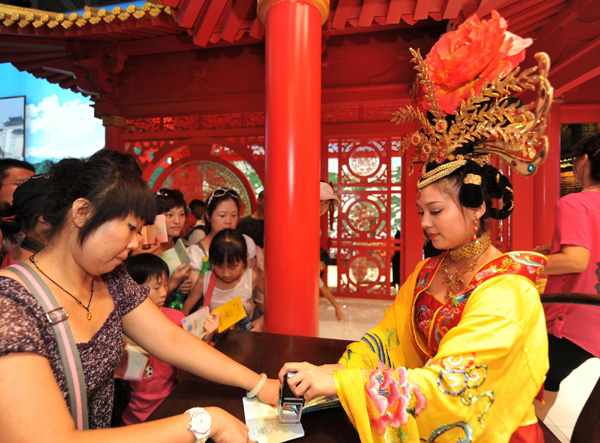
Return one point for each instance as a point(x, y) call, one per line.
point(472, 250)
point(87, 308)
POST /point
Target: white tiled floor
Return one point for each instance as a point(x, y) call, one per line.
point(360, 315)
point(574, 391)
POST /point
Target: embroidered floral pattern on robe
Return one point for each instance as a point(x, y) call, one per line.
point(391, 397)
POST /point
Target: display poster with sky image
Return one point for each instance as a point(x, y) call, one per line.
point(58, 122)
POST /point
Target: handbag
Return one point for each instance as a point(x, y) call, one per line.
point(69, 354)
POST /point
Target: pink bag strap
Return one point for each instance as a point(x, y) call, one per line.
point(211, 287)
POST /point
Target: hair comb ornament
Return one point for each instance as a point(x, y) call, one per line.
point(468, 111)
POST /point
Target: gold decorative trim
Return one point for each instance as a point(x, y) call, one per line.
point(264, 5)
point(472, 179)
point(113, 120)
point(511, 130)
point(23, 17)
point(439, 172)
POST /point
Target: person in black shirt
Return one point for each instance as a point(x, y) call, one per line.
point(254, 225)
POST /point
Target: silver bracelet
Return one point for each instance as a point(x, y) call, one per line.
point(258, 387)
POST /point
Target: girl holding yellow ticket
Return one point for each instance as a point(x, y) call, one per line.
point(229, 278)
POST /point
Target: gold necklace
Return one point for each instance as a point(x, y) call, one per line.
point(472, 251)
point(87, 308)
point(455, 280)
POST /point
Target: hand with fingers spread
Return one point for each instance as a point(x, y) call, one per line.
point(309, 381)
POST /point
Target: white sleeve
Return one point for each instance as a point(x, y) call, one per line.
point(251, 247)
point(196, 255)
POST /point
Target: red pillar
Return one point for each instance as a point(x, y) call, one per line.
point(293, 118)
point(547, 182)
point(411, 231)
point(114, 126)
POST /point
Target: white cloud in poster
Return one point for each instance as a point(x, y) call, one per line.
point(56, 130)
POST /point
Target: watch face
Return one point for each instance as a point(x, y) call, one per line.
point(200, 423)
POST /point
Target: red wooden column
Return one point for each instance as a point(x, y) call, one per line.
point(293, 118)
point(547, 182)
point(114, 126)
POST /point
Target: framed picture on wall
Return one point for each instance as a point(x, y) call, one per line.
point(12, 127)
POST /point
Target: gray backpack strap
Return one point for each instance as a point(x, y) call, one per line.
point(69, 354)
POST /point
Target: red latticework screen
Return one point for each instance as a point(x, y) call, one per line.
point(199, 179)
point(369, 187)
point(174, 153)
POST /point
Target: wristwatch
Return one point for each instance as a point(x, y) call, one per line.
point(199, 424)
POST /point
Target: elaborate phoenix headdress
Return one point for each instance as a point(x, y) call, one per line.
point(467, 85)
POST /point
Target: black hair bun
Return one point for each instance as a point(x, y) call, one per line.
point(471, 192)
point(499, 187)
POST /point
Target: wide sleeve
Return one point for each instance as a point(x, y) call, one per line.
point(480, 385)
point(390, 340)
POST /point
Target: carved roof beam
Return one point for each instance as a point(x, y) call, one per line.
point(257, 30)
point(538, 22)
point(17, 56)
point(532, 15)
point(343, 11)
point(367, 12)
point(422, 9)
point(187, 14)
point(577, 69)
point(451, 9)
point(486, 6)
point(205, 25)
point(239, 13)
point(34, 43)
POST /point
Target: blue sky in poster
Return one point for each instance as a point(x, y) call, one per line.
point(58, 123)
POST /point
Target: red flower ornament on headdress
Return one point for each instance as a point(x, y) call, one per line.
point(472, 56)
point(467, 90)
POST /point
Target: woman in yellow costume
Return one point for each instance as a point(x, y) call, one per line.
point(462, 352)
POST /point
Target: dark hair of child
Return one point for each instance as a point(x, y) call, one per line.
point(142, 267)
point(323, 255)
point(197, 202)
point(114, 193)
point(167, 199)
point(228, 247)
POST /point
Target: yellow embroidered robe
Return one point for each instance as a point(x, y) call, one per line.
point(482, 377)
